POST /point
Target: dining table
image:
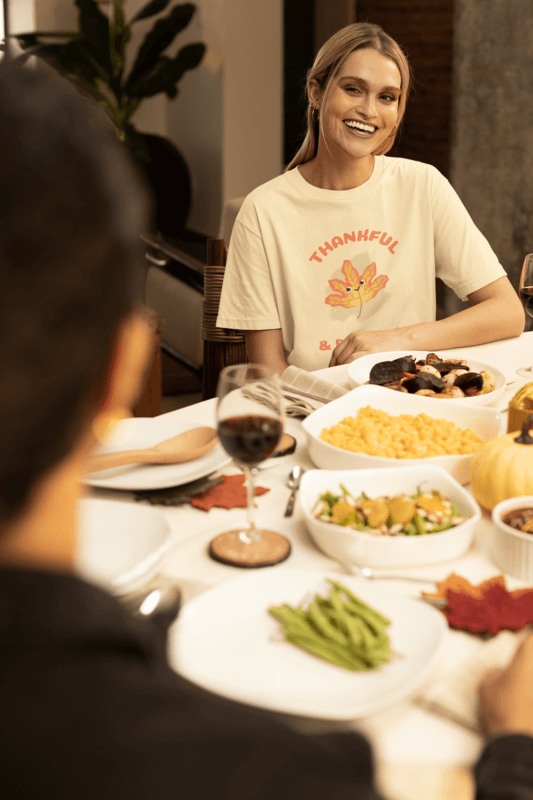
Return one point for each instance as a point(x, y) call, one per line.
point(418, 753)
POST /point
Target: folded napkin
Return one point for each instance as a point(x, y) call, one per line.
point(454, 694)
point(305, 392)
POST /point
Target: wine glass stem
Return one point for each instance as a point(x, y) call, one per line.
point(252, 534)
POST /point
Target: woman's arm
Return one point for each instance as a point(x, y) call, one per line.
point(496, 313)
point(266, 347)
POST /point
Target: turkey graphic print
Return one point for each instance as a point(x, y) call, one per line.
point(355, 290)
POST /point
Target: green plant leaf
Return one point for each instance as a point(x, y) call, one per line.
point(94, 26)
point(188, 58)
point(118, 35)
point(157, 40)
point(149, 10)
point(167, 72)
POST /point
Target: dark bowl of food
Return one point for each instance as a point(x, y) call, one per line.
point(513, 536)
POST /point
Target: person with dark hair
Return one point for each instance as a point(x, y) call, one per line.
point(337, 257)
point(89, 707)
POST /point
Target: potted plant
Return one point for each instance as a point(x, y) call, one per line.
point(95, 56)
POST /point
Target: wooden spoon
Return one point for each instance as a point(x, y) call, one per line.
point(183, 447)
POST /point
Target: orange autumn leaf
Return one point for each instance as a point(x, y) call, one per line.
point(459, 585)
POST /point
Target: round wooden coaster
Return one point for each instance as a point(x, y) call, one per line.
point(230, 549)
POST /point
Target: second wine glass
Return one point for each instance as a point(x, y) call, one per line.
point(250, 424)
point(526, 296)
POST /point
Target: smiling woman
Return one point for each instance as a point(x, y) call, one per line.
point(337, 257)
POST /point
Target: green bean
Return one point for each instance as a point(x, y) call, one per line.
point(419, 525)
point(360, 604)
point(318, 618)
point(341, 629)
point(329, 651)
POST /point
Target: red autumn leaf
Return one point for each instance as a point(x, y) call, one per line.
point(487, 608)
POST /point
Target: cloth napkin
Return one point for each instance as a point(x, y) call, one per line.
point(297, 384)
point(454, 694)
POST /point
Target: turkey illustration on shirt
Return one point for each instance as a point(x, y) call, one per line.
point(356, 289)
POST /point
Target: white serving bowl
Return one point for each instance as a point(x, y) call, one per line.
point(512, 550)
point(120, 546)
point(359, 373)
point(485, 422)
point(366, 549)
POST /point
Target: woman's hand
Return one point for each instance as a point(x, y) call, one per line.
point(361, 343)
point(496, 313)
point(506, 695)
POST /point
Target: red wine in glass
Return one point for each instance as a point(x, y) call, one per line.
point(251, 438)
point(526, 296)
point(250, 413)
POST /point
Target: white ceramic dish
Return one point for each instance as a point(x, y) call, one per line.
point(359, 371)
point(512, 550)
point(139, 432)
point(485, 422)
point(225, 641)
point(368, 550)
point(120, 546)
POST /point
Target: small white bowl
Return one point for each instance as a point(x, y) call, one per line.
point(366, 549)
point(359, 373)
point(512, 549)
point(485, 422)
point(120, 546)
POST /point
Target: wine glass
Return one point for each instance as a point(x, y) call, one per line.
point(250, 415)
point(526, 296)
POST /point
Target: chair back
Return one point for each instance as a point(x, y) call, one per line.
point(222, 346)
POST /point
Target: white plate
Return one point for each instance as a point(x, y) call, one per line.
point(120, 545)
point(359, 372)
point(139, 432)
point(224, 641)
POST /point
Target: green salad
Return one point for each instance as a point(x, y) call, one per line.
point(408, 515)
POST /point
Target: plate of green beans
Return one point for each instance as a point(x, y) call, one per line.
point(307, 643)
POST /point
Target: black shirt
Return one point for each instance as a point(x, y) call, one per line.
point(89, 708)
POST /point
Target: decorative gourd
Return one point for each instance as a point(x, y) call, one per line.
point(503, 467)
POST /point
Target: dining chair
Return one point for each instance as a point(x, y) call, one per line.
point(149, 401)
point(222, 346)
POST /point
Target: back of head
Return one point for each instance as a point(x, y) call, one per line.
point(327, 64)
point(71, 211)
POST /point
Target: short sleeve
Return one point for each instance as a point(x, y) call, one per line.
point(248, 300)
point(464, 259)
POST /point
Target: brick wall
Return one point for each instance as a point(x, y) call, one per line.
point(424, 28)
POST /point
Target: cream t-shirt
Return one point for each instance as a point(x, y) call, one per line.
point(320, 263)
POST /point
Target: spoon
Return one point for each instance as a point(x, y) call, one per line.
point(293, 482)
point(183, 447)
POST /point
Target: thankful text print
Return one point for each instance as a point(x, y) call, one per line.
point(359, 236)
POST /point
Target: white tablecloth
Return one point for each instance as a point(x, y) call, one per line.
point(409, 742)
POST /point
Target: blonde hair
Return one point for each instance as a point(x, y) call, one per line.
point(327, 64)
